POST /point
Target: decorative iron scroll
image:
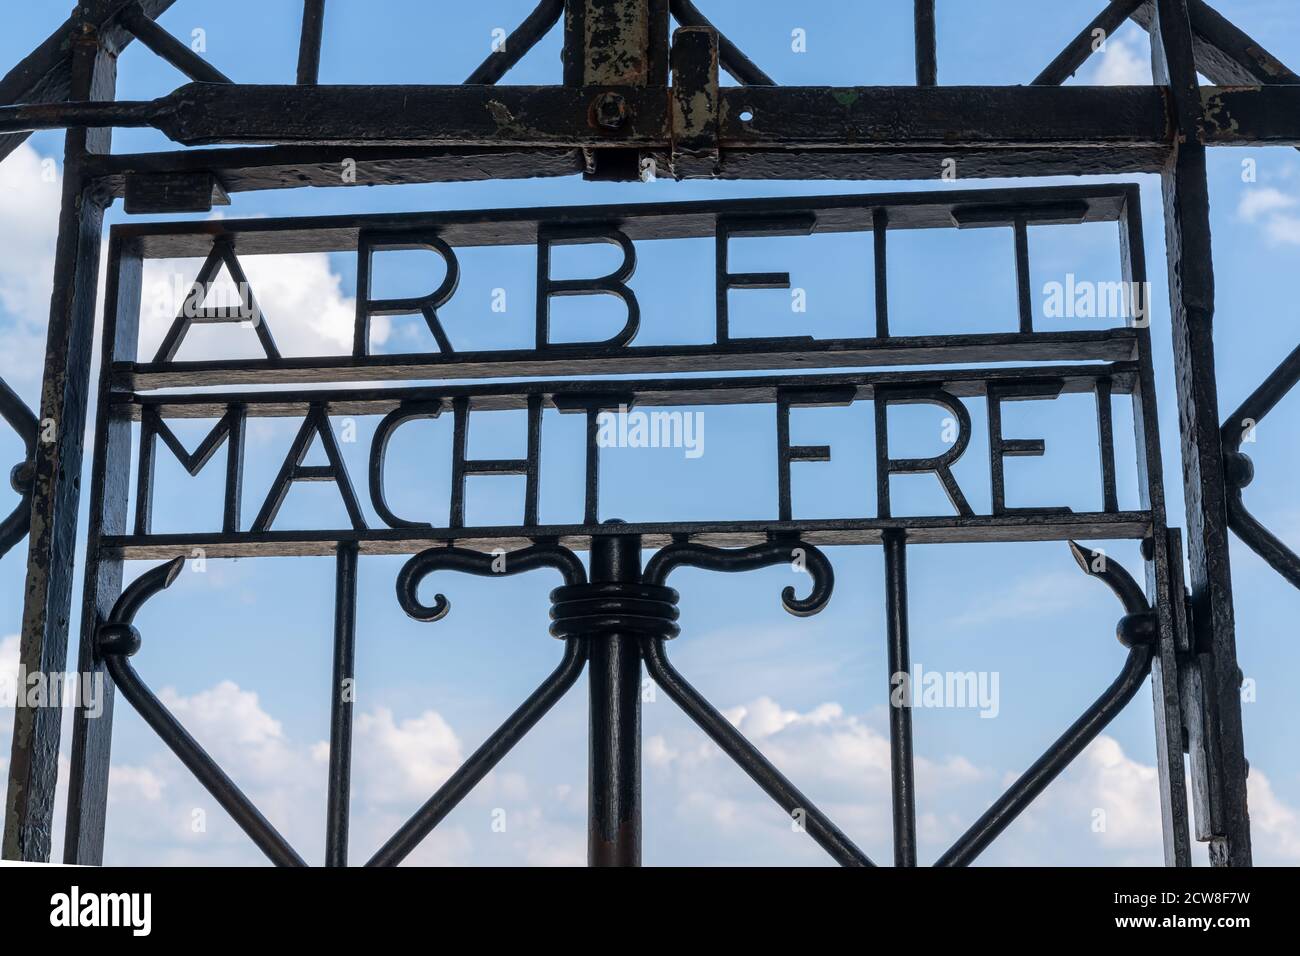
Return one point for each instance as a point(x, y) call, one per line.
point(616, 604)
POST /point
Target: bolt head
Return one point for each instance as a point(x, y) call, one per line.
point(609, 110)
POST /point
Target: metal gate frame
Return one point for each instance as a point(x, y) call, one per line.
point(615, 113)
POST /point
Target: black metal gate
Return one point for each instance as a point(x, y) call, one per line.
point(635, 99)
point(618, 614)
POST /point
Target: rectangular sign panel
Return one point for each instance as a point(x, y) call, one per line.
point(344, 438)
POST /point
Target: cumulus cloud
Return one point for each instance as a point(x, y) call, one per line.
point(1123, 62)
point(29, 218)
point(1270, 208)
point(159, 814)
point(300, 296)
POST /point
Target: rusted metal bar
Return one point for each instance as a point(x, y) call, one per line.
point(1191, 288)
point(56, 485)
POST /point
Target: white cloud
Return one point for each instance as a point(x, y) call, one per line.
point(1122, 63)
point(300, 296)
point(405, 760)
point(1274, 826)
point(1257, 201)
point(1283, 229)
point(29, 225)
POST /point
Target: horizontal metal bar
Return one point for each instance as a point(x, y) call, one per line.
point(245, 168)
point(664, 392)
point(1045, 205)
point(834, 531)
point(1107, 345)
point(781, 117)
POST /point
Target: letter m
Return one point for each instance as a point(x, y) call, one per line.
point(152, 427)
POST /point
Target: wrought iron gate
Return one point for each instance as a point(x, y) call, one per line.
point(615, 115)
point(619, 614)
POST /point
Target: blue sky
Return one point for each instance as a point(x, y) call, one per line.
point(243, 649)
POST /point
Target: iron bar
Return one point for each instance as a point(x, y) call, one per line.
point(772, 782)
point(117, 639)
point(342, 697)
point(524, 37)
point(20, 418)
point(487, 756)
point(927, 61)
point(1224, 53)
point(56, 476)
point(1077, 51)
point(92, 739)
point(1191, 289)
point(614, 688)
point(1137, 631)
point(168, 47)
point(309, 41)
point(1164, 575)
point(1047, 767)
point(902, 773)
point(730, 56)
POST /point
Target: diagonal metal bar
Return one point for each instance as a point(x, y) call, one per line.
point(1136, 631)
point(118, 639)
point(1084, 45)
point(1224, 53)
point(519, 723)
point(148, 32)
point(734, 744)
point(45, 74)
point(488, 755)
point(525, 36)
point(731, 57)
point(1238, 470)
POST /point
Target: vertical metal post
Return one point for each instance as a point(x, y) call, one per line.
point(614, 684)
point(927, 60)
point(613, 43)
point(1164, 577)
point(902, 775)
point(342, 696)
point(1191, 290)
point(56, 487)
point(92, 730)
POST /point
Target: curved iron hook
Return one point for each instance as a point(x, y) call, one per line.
point(1239, 471)
point(685, 554)
point(476, 562)
point(15, 411)
point(1137, 632)
point(117, 640)
point(1138, 625)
